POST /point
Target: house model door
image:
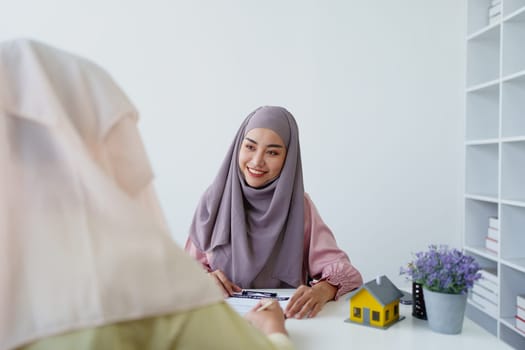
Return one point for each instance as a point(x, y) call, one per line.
point(366, 315)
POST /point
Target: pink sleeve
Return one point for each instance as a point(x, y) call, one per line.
point(326, 261)
point(197, 254)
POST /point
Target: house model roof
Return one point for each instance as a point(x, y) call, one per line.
point(382, 289)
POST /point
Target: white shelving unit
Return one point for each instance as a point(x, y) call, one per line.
point(495, 156)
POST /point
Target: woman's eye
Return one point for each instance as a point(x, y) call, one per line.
point(273, 153)
point(249, 147)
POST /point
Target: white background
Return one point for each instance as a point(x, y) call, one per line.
point(376, 87)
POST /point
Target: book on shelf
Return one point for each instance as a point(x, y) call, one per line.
point(492, 245)
point(520, 301)
point(493, 234)
point(489, 274)
point(487, 284)
point(520, 313)
point(488, 294)
point(484, 304)
point(520, 324)
point(494, 10)
point(494, 222)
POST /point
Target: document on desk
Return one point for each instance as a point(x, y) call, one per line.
point(247, 299)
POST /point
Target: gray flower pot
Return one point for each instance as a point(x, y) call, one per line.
point(445, 312)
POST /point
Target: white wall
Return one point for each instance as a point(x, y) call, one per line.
point(376, 87)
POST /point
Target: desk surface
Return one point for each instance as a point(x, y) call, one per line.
point(329, 331)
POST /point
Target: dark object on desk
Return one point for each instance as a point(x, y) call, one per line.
point(406, 299)
point(418, 302)
point(259, 293)
point(255, 294)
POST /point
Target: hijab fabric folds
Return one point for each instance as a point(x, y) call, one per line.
point(256, 235)
point(82, 239)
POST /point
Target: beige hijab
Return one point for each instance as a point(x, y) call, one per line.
point(82, 239)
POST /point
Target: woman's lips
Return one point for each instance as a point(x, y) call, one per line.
point(255, 172)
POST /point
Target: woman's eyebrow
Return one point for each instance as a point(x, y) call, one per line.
point(270, 145)
point(249, 139)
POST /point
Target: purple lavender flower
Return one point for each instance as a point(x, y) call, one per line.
point(443, 270)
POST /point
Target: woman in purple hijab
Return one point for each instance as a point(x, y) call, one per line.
point(255, 227)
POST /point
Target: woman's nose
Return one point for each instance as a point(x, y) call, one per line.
point(258, 159)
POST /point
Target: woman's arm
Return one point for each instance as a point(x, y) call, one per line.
point(326, 261)
point(227, 286)
point(197, 254)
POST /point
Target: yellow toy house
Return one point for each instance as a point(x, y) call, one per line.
point(375, 303)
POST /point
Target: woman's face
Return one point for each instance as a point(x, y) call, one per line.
point(261, 157)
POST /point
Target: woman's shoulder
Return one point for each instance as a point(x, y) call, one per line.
point(307, 198)
point(308, 203)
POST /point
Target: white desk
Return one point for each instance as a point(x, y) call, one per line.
point(329, 331)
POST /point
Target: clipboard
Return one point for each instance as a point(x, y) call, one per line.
point(244, 301)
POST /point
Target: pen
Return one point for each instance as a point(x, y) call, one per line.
point(265, 305)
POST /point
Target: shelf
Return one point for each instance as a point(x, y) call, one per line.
point(513, 76)
point(510, 335)
point(482, 198)
point(482, 142)
point(483, 56)
point(487, 322)
point(482, 86)
point(513, 105)
point(513, 8)
point(513, 171)
point(512, 284)
point(513, 54)
point(512, 139)
point(482, 170)
point(512, 235)
point(477, 215)
point(513, 203)
point(516, 263)
point(483, 114)
point(482, 252)
point(477, 16)
point(495, 156)
point(508, 321)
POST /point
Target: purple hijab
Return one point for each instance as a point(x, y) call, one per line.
point(256, 235)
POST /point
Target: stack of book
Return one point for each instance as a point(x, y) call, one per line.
point(492, 239)
point(494, 11)
point(485, 293)
point(520, 313)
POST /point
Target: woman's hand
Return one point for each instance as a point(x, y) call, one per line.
point(308, 301)
point(270, 320)
point(227, 286)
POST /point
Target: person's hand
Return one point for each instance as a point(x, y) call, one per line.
point(308, 301)
point(227, 286)
point(270, 320)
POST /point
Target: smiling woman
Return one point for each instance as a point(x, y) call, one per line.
point(255, 227)
point(261, 156)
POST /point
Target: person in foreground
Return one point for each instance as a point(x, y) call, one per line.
point(256, 227)
point(86, 260)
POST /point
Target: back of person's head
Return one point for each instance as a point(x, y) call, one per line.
point(82, 239)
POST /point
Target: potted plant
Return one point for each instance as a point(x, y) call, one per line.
point(446, 276)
